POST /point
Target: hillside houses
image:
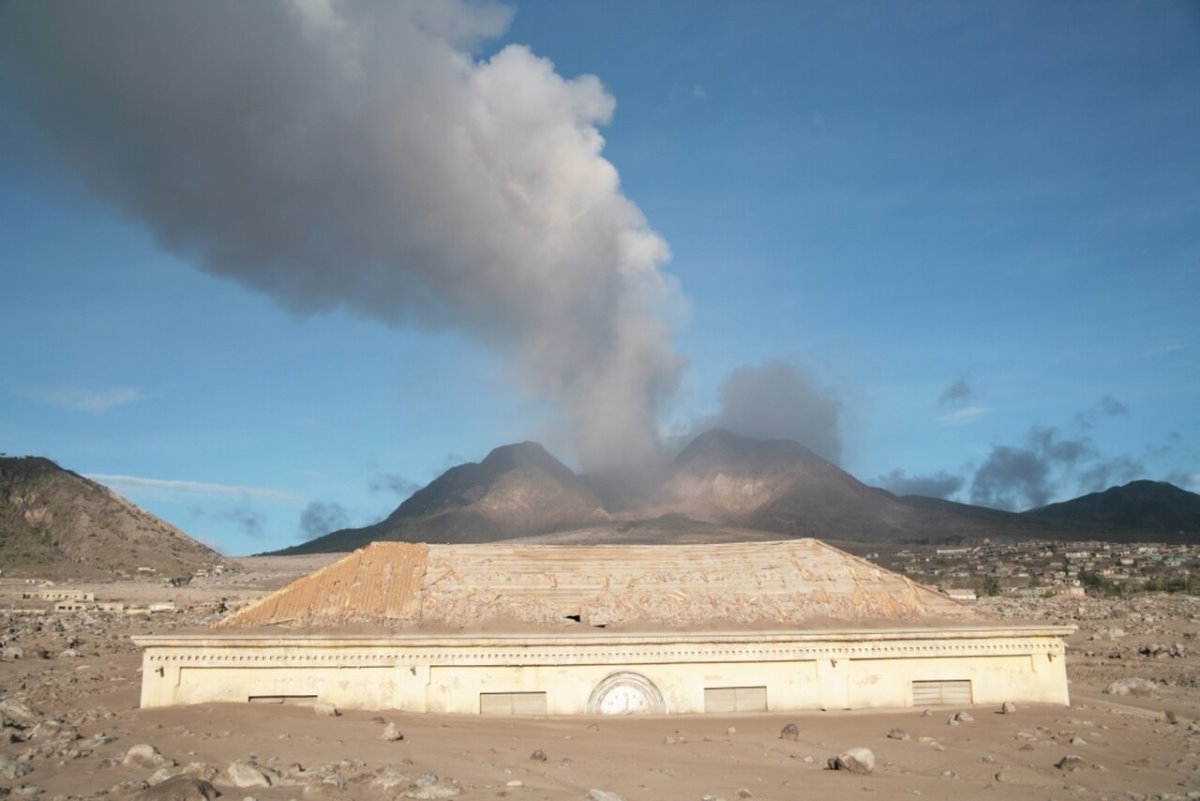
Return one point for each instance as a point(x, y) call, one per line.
point(1052, 567)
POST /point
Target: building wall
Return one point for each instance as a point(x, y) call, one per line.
point(822, 670)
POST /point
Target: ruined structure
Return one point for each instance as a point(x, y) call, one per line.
point(541, 629)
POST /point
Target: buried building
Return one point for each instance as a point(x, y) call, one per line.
point(562, 630)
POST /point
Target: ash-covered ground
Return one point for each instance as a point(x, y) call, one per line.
point(72, 728)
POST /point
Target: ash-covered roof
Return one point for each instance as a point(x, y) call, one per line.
point(791, 583)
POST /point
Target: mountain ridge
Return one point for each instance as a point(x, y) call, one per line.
point(57, 523)
point(720, 481)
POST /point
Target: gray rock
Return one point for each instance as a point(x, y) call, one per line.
point(326, 709)
point(538, 755)
point(246, 774)
point(10, 768)
point(898, 734)
point(603, 795)
point(159, 776)
point(179, 788)
point(855, 760)
point(964, 717)
point(392, 733)
point(390, 777)
point(1008, 708)
point(147, 756)
point(1071, 762)
point(1133, 685)
point(18, 713)
point(790, 732)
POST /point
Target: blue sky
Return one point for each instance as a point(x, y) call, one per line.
point(954, 247)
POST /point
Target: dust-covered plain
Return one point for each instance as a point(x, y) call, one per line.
point(72, 727)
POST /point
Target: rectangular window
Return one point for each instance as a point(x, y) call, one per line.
point(512, 703)
point(294, 700)
point(944, 692)
point(735, 699)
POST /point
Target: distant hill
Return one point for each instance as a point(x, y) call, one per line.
point(721, 486)
point(1139, 506)
point(57, 524)
point(518, 490)
point(783, 487)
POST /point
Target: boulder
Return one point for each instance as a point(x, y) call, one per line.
point(855, 760)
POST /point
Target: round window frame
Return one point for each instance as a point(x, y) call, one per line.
point(627, 678)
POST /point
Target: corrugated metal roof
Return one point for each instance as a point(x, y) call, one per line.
point(397, 585)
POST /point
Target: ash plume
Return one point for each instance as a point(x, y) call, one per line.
point(364, 157)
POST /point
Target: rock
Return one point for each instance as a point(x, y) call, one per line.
point(538, 755)
point(744, 792)
point(199, 770)
point(731, 731)
point(18, 713)
point(964, 717)
point(790, 732)
point(391, 732)
point(1071, 762)
point(126, 789)
point(391, 776)
point(246, 774)
point(147, 756)
point(10, 768)
point(179, 788)
point(855, 760)
point(1001, 777)
point(159, 776)
point(1132, 685)
point(1008, 708)
point(949, 773)
point(326, 709)
point(603, 795)
point(514, 783)
point(898, 734)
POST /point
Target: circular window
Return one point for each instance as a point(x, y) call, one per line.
point(626, 693)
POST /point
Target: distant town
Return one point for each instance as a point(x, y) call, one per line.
point(1044, 568)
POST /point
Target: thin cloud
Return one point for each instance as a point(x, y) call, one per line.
point(963, 416)
point(96, 402)
point(170, 488)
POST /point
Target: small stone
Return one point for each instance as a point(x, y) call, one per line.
point(668, 740)
point(1070, 762)
point(1008, 708)
point(538, 755)
point(744, 792)
point(603, 795)
point(855, 760)
point(391, 733)
point(949, 773)
point(147, 756)
point(246, 774)
point(964, 717)
point(10, 768)
point(159, 776)
point(790, 732)
point(1132, 685)
point(515, 783)
point(326, 709)
point(1001, 777)
point(731, 731)
point(898, 734)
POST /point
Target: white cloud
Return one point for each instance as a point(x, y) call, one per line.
point(963, 416)
point(169, 488)
point(91, 401)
